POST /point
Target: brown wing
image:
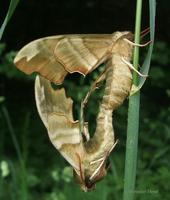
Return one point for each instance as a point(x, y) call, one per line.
point(38, 56)
point(55, 110)
point(83, 53)
point(50, 101)
point(65, 136)
point(53, 57)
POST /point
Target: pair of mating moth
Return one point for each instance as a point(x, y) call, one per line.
point(56, 56)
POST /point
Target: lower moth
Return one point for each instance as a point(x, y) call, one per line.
point(56, 56)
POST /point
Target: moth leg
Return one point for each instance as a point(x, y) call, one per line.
point(137, 45)
point(98, 168)
point(132, 67)
point(93, 88)
point(84, 102)
point(98, 160)
point(102, 160)
point(113, 146)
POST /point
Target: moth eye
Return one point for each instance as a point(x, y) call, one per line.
point(89, 184)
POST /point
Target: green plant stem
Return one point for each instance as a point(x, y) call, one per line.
point(11, 9)
point(133, 119)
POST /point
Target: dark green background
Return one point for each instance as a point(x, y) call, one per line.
point(45, 175)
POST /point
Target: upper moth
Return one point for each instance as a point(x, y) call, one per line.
point(56, 56)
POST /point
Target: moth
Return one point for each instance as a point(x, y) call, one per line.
point(56, 56)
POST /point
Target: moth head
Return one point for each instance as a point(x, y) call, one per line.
point(89, 177)
point(85, 184)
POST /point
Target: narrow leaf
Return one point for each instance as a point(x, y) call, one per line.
point(11, 9)
point(147, 61)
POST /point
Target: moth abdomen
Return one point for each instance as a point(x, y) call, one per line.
point(118, 83)
point(117, 88)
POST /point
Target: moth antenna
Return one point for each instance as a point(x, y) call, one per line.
point(137, 45)
point(80, 167)
point(132, 67)
point(145, 32)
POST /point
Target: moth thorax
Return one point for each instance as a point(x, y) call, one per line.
point(122, 48)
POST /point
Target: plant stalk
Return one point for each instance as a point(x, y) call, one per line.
point(133, 119)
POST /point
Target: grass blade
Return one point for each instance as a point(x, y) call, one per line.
point(23, 173)
point(11, 9)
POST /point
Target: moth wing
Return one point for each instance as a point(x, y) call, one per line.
point(50, 101)
point(55, 110)
point(83, 53)
point(65, 136)
point(53, 57)
point(38, 56)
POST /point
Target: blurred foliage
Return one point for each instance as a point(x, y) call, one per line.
point(44, 174)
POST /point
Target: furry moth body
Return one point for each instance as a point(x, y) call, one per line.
point(55, 57)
